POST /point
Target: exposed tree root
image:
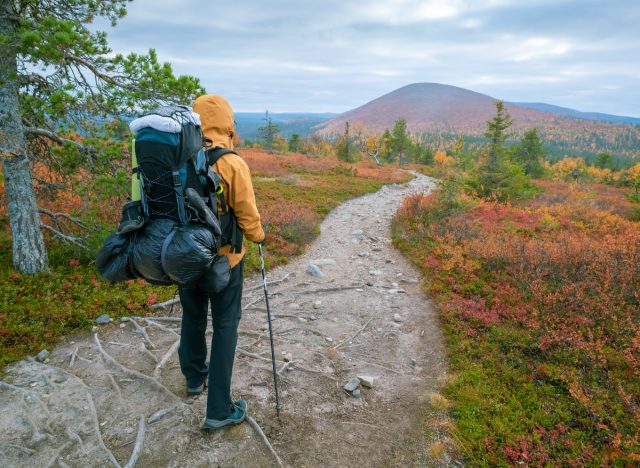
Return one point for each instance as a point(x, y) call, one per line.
point(270, 283)
point(142, 331)
point(137, 449)
point(96, 428)
point(76, 438)
point(352, 337)
point(55, 459)
point(143, 349)
point(23, 450)
point(165, 359)
point(132, 373)
point(258, 429)
point(160, 326)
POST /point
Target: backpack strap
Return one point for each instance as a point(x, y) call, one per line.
point(234, 233)
point(216, 153)
point(179, 191)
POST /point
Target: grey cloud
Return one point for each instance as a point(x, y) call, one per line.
point(334, 55)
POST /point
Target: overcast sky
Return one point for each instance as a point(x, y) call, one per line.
point(334, 55)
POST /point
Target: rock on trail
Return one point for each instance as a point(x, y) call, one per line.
point(118, 398)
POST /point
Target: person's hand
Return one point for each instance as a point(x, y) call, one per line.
point(264, 239)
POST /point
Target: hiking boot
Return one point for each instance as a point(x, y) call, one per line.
point(195, 389)
point(196, 386)
point(236, 417)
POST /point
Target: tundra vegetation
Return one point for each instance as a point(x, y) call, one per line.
point(537, 286)
point(532, 260)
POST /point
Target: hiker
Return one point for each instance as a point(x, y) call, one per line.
point(238, 198)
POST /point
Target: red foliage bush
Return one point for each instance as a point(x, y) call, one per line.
point(558, 278)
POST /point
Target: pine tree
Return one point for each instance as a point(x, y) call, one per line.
point(529, 153)
point(57, 75)
point(267, 133)
point(400, 140)
point(294, 143)
point(497, 134)
point(499, 176)
point(345, 147)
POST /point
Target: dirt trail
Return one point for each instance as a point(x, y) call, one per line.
point(365, 316)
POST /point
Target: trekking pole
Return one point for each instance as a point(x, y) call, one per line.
point(273, 355)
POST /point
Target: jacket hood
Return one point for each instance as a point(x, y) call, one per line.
point(216, 117)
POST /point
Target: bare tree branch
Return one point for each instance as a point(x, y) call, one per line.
point(55, 217)
point(42, 132)
point(65, 238)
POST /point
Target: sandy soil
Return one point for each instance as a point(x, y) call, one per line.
point(100, 398)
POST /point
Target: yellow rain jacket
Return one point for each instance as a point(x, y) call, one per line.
point(216, 117)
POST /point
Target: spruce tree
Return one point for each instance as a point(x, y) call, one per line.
point(57, 76)
point(529, 153)
point(267, 133)
point(345, 147)
point(400, 140)
point(499, 176)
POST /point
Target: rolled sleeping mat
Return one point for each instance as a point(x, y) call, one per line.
point(147, 249)
point(188, 253)
point(113, 259)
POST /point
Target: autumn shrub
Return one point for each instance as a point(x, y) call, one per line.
point(540, 302)
point(294, 193)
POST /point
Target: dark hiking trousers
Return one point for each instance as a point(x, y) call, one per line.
point(225, 311)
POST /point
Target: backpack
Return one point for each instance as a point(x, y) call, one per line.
point(177, 218)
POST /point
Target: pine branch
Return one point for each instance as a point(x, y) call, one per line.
point(96, 71)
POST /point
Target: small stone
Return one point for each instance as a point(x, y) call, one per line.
point(302, 319)
point(317, 304)
point(358, 232)
point(288, 357)
point(313, 317)
point(380, 330)
point(397, 318)
point(294, 306)
point(413, 362)
point(352, 384)
point(314, 270)
point(61, 378)
point(103, 319)
point(360, 290)
point(409, 280)
point(366, 381)
point(394, 285)
point(392, 291)
point(42, 355)
point(377, 249)
point(369, 283)
point(376, 272)
point(124, 319)
point(363, 254)
point(329, 339)
point(325, 261)
point(122, 325)
point(356, 393)
point(128, 430)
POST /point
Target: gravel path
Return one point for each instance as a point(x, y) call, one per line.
point(104, 399)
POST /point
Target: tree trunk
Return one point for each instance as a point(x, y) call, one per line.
point(29, 252)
